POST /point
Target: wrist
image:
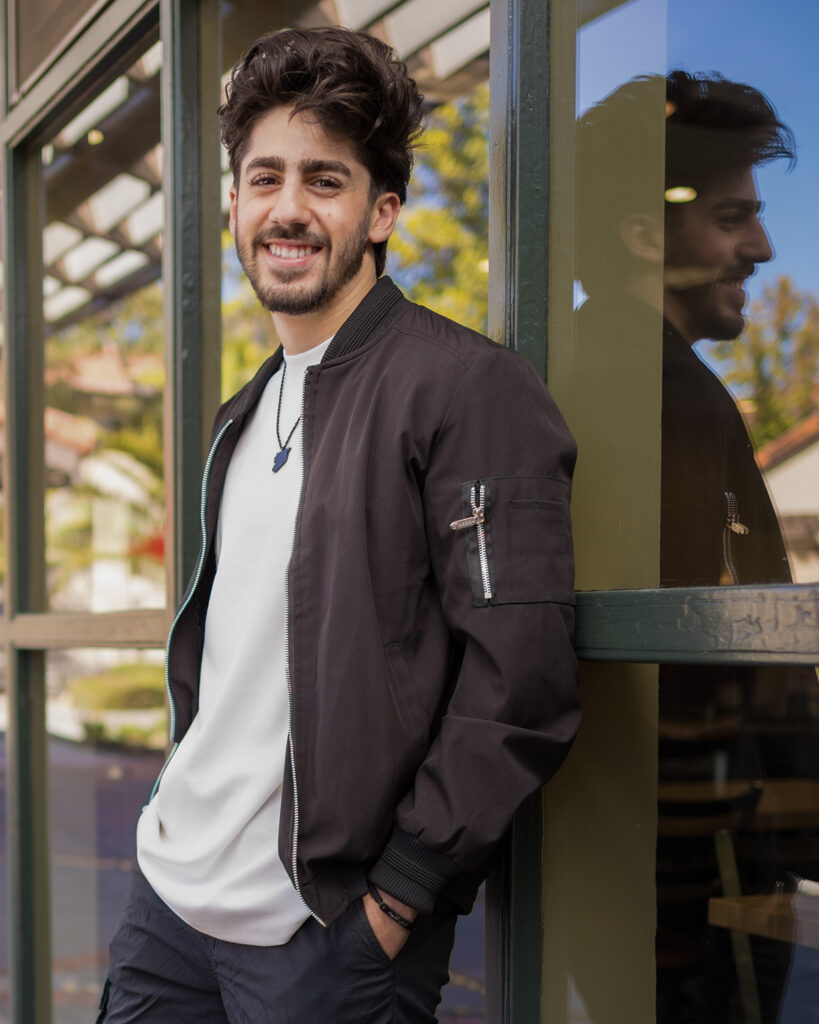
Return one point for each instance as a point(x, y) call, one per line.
point(401, 913)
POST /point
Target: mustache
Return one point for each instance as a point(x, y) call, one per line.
point(682, 278)
point(294, 234)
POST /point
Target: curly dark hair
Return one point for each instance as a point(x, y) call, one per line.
point(354, 86)
point(714, 125)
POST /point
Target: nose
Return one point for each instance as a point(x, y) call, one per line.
point(756, 246)
point(289, 207)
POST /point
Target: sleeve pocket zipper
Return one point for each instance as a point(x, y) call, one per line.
point(477, 500)
point(732, 525)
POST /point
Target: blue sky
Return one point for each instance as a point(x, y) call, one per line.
point(770, 44)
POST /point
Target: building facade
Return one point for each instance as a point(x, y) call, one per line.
point(625, 891)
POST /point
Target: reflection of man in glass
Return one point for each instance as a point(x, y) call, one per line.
point(689, 261)
point(716, 133)
point(665, 252)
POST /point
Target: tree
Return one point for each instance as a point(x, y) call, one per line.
point(438, 253)
point(775, 361)
point(248, 337)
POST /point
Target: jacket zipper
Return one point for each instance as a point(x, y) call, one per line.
point(294, 844)
point(194, 584)
point(732, 526)
point(477, 499)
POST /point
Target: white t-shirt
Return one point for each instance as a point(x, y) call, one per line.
point(208, 841)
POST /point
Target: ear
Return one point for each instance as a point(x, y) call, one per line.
point(643, 237)
point(384, 215)
point(232, 215)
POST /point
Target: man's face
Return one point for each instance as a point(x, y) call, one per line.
point(303, 216)
point(712, 245)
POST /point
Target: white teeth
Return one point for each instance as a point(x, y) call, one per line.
point(291, 252)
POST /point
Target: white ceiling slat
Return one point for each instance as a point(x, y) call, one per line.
point(97, 110)
point(65, 301)
point(417, 22)
point(112, 203)
point(121, 266)
point(457, 48)
point(358, 13)
point(58, 238)
point(146, 220)
point(78, 263)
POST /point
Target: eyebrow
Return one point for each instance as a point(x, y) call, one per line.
point(753, 206)
point(276, 163)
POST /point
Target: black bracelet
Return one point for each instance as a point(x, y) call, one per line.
point(393, 915)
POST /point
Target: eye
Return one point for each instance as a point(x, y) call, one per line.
point(326, 184)
point(264, 180)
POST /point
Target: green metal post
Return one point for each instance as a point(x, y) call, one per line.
point(191, 264)
point(518, 259)
point(27, 789)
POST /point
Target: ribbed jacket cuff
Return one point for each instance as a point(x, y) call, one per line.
point(411, 871)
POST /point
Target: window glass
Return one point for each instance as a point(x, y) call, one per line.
point(2, 432)
point(5, 962)
point(104, 376)
point(694, 203)
point(694, 287)
point(40, 28)
point(4, 905)
point(107, 728)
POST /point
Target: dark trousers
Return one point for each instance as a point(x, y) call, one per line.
point(163, 971)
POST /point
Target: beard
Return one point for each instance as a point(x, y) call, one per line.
point(285, 294)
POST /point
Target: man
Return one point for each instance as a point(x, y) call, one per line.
point(373, 665)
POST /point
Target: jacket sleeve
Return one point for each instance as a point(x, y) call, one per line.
point(508, 598)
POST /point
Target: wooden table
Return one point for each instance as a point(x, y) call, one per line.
point(784, 804)
point(787, 917)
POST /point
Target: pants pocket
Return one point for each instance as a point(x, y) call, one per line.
point(103, 1007)
point(360, 937)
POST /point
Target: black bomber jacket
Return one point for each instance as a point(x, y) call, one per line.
point(430, 605)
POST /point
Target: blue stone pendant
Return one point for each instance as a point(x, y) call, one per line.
point(280, 459)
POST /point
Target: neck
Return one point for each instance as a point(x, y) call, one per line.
point(301, 333)
point(648, 288)
point(674, 312)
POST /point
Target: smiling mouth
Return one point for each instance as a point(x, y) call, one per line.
point(291, 252)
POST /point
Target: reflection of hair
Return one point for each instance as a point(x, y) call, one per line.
point(354, 86)
point(712, 126)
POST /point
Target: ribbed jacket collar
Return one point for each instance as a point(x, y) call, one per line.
point(376, 308)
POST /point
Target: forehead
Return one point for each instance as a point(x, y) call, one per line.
point(295, 138)
point(732, 184)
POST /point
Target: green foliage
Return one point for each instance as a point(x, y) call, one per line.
point(438, 253)
point(248, 337)
point(123, 687)
point(144, 445)
point(775, 361)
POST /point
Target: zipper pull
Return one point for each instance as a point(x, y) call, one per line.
point(733, 523)
point(478, 518)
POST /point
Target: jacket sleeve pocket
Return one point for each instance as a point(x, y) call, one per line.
point(521, 552)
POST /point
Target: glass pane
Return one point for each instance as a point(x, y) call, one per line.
point(438, 256)
point(693, 298)
point(41, 28)
point(691, 234)
point(102, 305)
point(106, 720)
point(5, 963)
point(2, 428)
